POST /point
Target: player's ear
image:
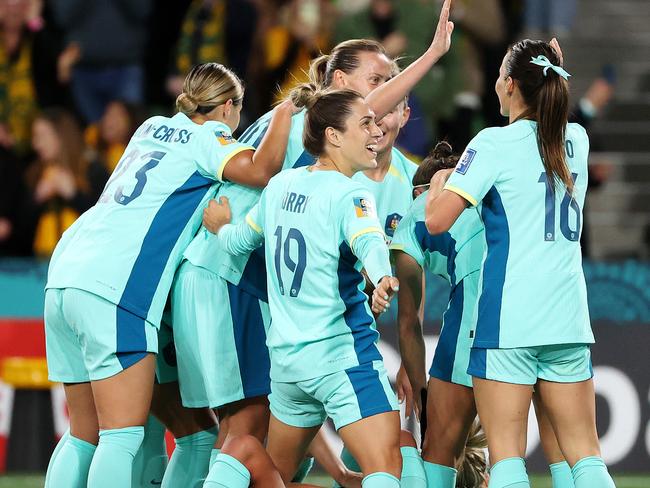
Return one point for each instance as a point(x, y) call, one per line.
point(227, 107)
point(333, 136)
point(339, 79)
point(406, 114)
point(510, 85)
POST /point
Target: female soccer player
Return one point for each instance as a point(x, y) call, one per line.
point(456, 256)
point(533, 322)
point(111, 273)
point(322, 229)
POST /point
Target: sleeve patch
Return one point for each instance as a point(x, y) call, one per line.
point(363, 207)
point(465, 160)
point(224, 138)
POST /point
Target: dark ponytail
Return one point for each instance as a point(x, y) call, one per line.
point(547, 96)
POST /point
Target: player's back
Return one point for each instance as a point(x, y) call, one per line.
point(126, 247)
point(533, 288)
point(321, 322)
point(452, 255)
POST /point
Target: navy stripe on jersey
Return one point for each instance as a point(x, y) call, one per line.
point(477, 363)
point(157, 245)
point(247, 135)
point(497, 237)
point(250, 342)
point(253, 278)
point(260, 136)
point(445, 356)
point(305, 159)
point(369, 390)
point(442, 243)
point(356, 316)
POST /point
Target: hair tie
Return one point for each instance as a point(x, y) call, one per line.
point(546, 64)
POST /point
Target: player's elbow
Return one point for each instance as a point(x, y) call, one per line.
point(436, 225)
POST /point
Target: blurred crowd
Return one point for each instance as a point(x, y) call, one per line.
point(77, 77)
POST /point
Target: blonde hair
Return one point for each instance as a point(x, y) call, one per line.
point(472, 465)
point(344, 56)
point(207, 86)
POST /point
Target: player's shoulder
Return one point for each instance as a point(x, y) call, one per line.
point(403, 163)
point(576, 132)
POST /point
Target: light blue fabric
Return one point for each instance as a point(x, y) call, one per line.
point(561, 476)
point(227, 472)
point(546, 64)
point(70, 464)
point(112, 463)
point(439, 476)
point(509, 473)
point(591, 472)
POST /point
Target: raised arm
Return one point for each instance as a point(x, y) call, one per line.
point(256, 168)
point(384, 98)
point(411, 339)
point(443, 206)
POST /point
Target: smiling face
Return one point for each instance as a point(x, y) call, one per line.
point(357, 145)
point(374, 70)
point(390, 125)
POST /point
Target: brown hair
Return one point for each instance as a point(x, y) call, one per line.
point(72, 155)
point(325, 108)
point(344, 56)
point(207, 86)
point(441, 157)
point(472, 465)
point(547, 97)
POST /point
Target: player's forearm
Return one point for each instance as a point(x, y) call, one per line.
point(239, 239)
point(412, 349)
point(269, 156)
point(384, 98)
point(373, 253)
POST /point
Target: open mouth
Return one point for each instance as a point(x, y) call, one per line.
point(372, 149)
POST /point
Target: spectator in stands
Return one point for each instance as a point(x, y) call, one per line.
point(109, 137)
point(61, 182)
point(105, 50)
point(548, 18)
point(219, 31)
point(17, 93)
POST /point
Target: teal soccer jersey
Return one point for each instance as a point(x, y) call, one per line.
point(394, 195)
point(452, 255)
point(532, 287)
point(319, 226)
point(127, 247)
point(205, 250)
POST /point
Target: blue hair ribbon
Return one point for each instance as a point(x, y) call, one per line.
point(546, 64)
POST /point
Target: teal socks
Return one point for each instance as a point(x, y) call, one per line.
point(510, 472)
point(112, 464)
point(591, 472)
point(70, 463)
point(380, 480)
point(440, 476)
point(303, 470)
point(413, 475)
point(227, 472)
point(190, 461)
point(213, 456)
point(561, 475)
point(151, 460)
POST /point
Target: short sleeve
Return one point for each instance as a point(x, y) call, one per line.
point(218, 146)
point(477, 169)
point(359, 214)
point(406, 241)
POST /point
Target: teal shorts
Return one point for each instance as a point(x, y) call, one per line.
point(220, 338)
point(451, 358)
point(345, 396)
point(166, 363)
point(560, 363)
point(89, 338)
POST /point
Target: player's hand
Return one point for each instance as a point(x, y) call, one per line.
point(442, 39)
point(556, 46)
point(287, 105)
point(216, 215)
point(405, 392)
point(350, 479)
point(381, 297)
point(438, 182)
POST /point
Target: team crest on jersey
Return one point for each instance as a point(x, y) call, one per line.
point(465, 160)
point(363, 207)
point(224, 138)
point(391, 224)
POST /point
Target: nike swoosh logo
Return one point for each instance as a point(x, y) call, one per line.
point(154, 482)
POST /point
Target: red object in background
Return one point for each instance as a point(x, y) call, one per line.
point(22, 338)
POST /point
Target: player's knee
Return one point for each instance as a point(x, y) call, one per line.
point(406, 439)
point(244, 448)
